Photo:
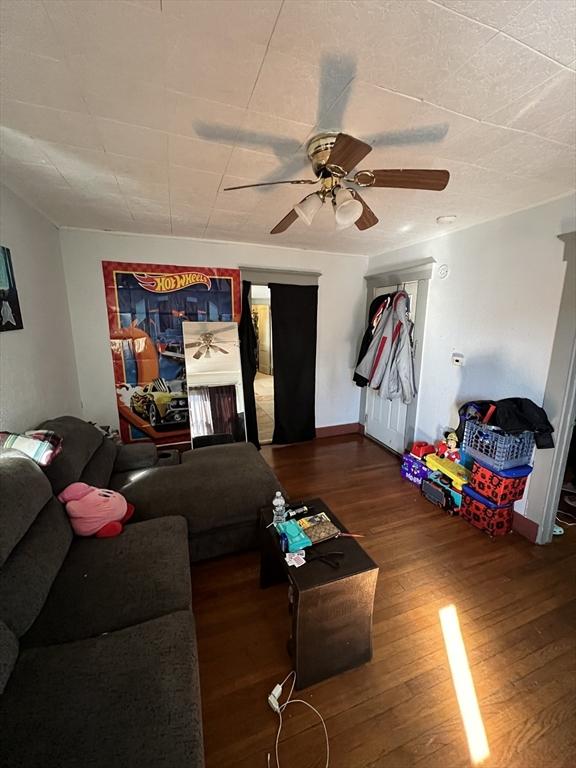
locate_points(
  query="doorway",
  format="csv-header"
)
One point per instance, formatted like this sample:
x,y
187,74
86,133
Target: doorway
x,y
566,514
547,479
264,381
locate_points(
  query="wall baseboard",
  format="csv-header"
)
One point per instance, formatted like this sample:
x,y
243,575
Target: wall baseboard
x,y
340,429
525,527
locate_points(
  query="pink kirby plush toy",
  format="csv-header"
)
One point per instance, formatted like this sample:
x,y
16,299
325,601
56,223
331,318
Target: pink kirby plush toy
x,y
95,511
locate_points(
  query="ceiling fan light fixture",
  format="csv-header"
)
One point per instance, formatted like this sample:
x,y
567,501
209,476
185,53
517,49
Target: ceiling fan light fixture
x,y
347,210
309,207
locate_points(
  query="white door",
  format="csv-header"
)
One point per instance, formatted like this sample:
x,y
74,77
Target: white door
x,y
386,419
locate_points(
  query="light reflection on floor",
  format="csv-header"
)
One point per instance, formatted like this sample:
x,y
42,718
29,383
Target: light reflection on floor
x,y
264,392
464,685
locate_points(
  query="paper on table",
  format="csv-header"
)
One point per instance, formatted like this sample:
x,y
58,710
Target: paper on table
x,y
296,558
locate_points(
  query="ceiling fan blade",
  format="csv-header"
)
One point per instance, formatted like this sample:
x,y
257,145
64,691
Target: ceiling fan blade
x,y
368,218
272,183
424,134
347,152
409,179
286,222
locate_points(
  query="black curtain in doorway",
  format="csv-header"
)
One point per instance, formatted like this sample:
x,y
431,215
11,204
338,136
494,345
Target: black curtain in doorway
x,y
247,336
294,316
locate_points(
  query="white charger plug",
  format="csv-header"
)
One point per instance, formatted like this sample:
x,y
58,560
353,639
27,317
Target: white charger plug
x,y
275,706
273,698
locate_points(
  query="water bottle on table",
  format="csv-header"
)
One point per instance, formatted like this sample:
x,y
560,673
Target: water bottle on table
x,y
279,505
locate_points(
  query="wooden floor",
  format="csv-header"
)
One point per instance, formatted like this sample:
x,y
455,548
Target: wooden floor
x,y
517,608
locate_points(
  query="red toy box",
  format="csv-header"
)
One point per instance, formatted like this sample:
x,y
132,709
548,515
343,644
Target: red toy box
x,y
501,487
484,514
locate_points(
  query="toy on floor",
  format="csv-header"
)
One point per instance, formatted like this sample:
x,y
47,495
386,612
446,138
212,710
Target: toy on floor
x,y
95,511
448,448
413,469
438,489
444,482
458,474
420,449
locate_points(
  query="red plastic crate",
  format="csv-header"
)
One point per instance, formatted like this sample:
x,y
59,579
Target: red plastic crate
x,y
483,514
502,487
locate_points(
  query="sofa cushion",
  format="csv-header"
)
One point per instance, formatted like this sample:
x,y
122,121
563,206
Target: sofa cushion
x,y
98,470
80,442
214,487
24,491
136,456
109,584
28,574
130,698
8,654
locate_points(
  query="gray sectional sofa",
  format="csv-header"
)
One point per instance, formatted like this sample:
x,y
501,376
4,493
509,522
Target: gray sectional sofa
x,y
98,664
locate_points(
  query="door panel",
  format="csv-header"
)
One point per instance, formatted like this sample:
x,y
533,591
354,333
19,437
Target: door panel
x,y
264,339
386,419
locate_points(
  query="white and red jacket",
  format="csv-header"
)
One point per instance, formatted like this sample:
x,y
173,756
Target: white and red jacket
x,y
388,364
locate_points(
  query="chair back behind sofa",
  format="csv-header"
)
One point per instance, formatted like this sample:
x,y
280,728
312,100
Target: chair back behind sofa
x,y
35,536
87,455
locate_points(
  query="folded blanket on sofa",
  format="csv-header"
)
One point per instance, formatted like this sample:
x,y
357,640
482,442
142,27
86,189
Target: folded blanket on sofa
x,y
40,445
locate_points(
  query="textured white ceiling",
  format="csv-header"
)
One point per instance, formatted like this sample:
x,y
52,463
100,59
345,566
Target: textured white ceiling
x,y
132,115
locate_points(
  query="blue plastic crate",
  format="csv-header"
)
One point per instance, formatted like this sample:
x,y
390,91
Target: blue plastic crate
x,y
497,449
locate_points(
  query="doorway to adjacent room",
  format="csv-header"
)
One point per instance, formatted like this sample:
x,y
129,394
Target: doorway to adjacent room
x,y
264,381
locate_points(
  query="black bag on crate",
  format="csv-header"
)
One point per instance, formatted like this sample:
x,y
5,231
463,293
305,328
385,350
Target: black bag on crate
x,y
513,415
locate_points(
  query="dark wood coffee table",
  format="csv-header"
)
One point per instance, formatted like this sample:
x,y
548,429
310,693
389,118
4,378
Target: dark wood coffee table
x,y
331,608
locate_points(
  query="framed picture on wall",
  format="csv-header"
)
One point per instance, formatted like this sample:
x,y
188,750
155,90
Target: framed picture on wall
x,y
10,315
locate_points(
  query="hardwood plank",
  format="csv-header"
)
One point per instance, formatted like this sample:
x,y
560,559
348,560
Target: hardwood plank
x,y
516,607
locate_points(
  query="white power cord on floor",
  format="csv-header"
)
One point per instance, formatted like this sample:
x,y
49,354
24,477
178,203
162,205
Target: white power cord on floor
x,y
564,514
274,704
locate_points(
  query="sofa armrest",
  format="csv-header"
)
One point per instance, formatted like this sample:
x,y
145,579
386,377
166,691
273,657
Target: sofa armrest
x,y
136,456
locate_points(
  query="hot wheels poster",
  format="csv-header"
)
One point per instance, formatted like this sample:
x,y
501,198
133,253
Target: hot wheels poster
x,y
146,306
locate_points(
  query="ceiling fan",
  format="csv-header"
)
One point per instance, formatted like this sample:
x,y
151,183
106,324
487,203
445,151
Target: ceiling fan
x,y
206,345
333,156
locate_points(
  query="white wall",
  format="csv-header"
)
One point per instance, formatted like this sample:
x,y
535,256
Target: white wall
x,y
341,307
498,307
38,376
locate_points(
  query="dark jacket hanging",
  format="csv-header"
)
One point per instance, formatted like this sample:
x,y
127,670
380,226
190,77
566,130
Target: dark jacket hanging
x,y
359,380
294,311
247,336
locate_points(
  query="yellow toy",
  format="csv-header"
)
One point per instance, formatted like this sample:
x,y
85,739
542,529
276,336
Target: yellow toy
x,y
458,474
